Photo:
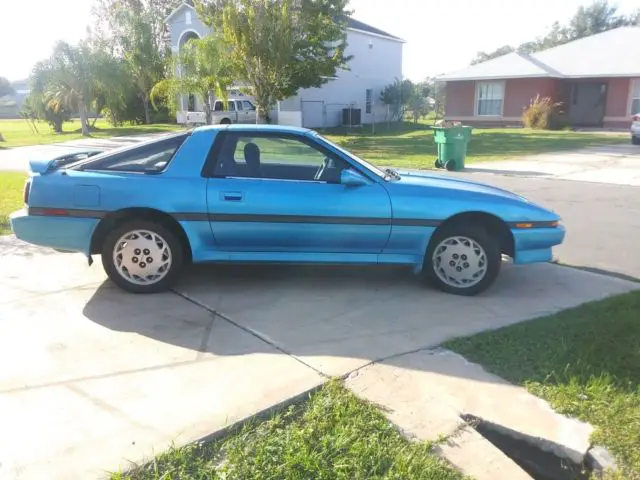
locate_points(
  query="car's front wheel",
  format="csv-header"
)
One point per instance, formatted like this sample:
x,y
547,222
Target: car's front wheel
x,y
142,256
463,260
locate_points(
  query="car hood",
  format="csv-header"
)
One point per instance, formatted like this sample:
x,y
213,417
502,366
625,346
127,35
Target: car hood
x,y
434,180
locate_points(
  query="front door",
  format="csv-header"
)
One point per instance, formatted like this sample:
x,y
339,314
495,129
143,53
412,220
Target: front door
x,y
587,104
282,193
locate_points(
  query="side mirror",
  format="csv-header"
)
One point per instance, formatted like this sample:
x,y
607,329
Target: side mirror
x,y
351,178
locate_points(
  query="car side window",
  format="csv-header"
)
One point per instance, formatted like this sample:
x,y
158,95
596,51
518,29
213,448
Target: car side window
x,y
248,105
232,106
276,157
238,105
151,157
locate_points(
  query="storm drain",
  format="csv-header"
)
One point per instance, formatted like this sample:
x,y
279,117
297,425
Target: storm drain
x,y
540,463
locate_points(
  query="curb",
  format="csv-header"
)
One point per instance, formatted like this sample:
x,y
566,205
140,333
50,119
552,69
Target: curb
x,y
263,415
596,271
600,461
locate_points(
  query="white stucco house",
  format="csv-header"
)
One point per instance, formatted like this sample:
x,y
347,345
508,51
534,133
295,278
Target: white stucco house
x,y
376,62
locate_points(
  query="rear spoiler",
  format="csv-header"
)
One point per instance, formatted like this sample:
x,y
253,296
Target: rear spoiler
x,y
43,167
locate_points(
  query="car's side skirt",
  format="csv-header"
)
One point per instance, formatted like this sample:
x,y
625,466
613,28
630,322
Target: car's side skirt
x,y
310,258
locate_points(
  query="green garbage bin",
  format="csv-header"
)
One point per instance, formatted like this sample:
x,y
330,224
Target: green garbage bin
x,y
452,146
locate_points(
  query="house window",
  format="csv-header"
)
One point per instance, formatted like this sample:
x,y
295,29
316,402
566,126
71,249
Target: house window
x,y
490,97
368,100
635,97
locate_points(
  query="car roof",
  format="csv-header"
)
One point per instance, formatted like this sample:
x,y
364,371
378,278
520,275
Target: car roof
x,y
256,128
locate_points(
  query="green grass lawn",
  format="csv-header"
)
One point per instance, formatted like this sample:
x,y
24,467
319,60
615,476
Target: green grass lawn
x,y
411,146
333,436
585,361
18,133
11,185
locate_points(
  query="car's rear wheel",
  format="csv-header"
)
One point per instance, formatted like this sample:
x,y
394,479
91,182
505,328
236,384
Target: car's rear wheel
x,y
463,260
142,256
225,121
635,140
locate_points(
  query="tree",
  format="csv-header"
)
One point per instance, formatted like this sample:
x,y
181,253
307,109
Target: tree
x,y
201,67
597,17
5,89
71,82
112,84
280,46
144,53
37,103
136,31
65,82
483,56
397,96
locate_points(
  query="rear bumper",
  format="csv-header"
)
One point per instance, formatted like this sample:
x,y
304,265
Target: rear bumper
x,y
535,245
62,233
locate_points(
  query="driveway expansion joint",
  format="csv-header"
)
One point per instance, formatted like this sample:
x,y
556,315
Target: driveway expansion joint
x,y
248,330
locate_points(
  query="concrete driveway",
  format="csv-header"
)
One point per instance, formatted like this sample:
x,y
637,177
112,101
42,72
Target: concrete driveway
x,y
596,193
92,377
612,164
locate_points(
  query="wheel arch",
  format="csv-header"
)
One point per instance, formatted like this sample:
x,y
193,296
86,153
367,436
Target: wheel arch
x,y
490,222
115,218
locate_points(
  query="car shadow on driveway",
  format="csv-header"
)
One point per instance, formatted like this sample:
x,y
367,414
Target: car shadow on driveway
x,y
336,319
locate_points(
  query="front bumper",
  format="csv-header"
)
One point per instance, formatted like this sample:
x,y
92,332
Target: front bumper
x,y
534,245
62,233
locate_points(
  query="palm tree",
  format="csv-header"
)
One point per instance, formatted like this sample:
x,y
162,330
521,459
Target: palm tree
x,y
201,68
71,82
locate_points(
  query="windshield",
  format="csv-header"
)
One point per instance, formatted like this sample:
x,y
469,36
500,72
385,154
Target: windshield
x,y
364,163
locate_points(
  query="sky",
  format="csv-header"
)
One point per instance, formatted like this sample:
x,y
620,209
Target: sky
x,y
441,36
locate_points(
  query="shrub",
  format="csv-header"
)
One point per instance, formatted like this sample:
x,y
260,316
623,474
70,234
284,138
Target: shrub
x,y
544,114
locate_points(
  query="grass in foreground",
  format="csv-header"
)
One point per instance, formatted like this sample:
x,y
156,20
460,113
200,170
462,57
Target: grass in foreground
x,y
334,436
411,146
11,185
585,361
18,133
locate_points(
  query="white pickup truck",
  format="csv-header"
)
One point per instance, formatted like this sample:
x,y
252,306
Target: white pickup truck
x,y
237,111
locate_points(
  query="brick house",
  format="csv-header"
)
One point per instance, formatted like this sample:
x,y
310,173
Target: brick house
x,y
597,79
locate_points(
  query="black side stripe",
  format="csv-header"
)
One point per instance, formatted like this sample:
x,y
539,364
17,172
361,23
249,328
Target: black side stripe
x,y
65,212
219,217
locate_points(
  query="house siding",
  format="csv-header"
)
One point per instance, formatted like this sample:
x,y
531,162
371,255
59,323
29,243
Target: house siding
x,y
461,97
322,107
617,107
520,91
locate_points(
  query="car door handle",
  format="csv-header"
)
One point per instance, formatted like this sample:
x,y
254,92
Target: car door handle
x,y
232,196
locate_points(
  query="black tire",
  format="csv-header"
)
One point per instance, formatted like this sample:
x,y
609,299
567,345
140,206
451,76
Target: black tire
x,y
225,121
477,233
635,140
438,164
450,165
174,245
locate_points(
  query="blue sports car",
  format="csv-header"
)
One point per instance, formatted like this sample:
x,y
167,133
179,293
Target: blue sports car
x,y
257,193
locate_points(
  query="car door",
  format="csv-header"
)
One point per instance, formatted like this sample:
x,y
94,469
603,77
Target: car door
x,y
277,192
